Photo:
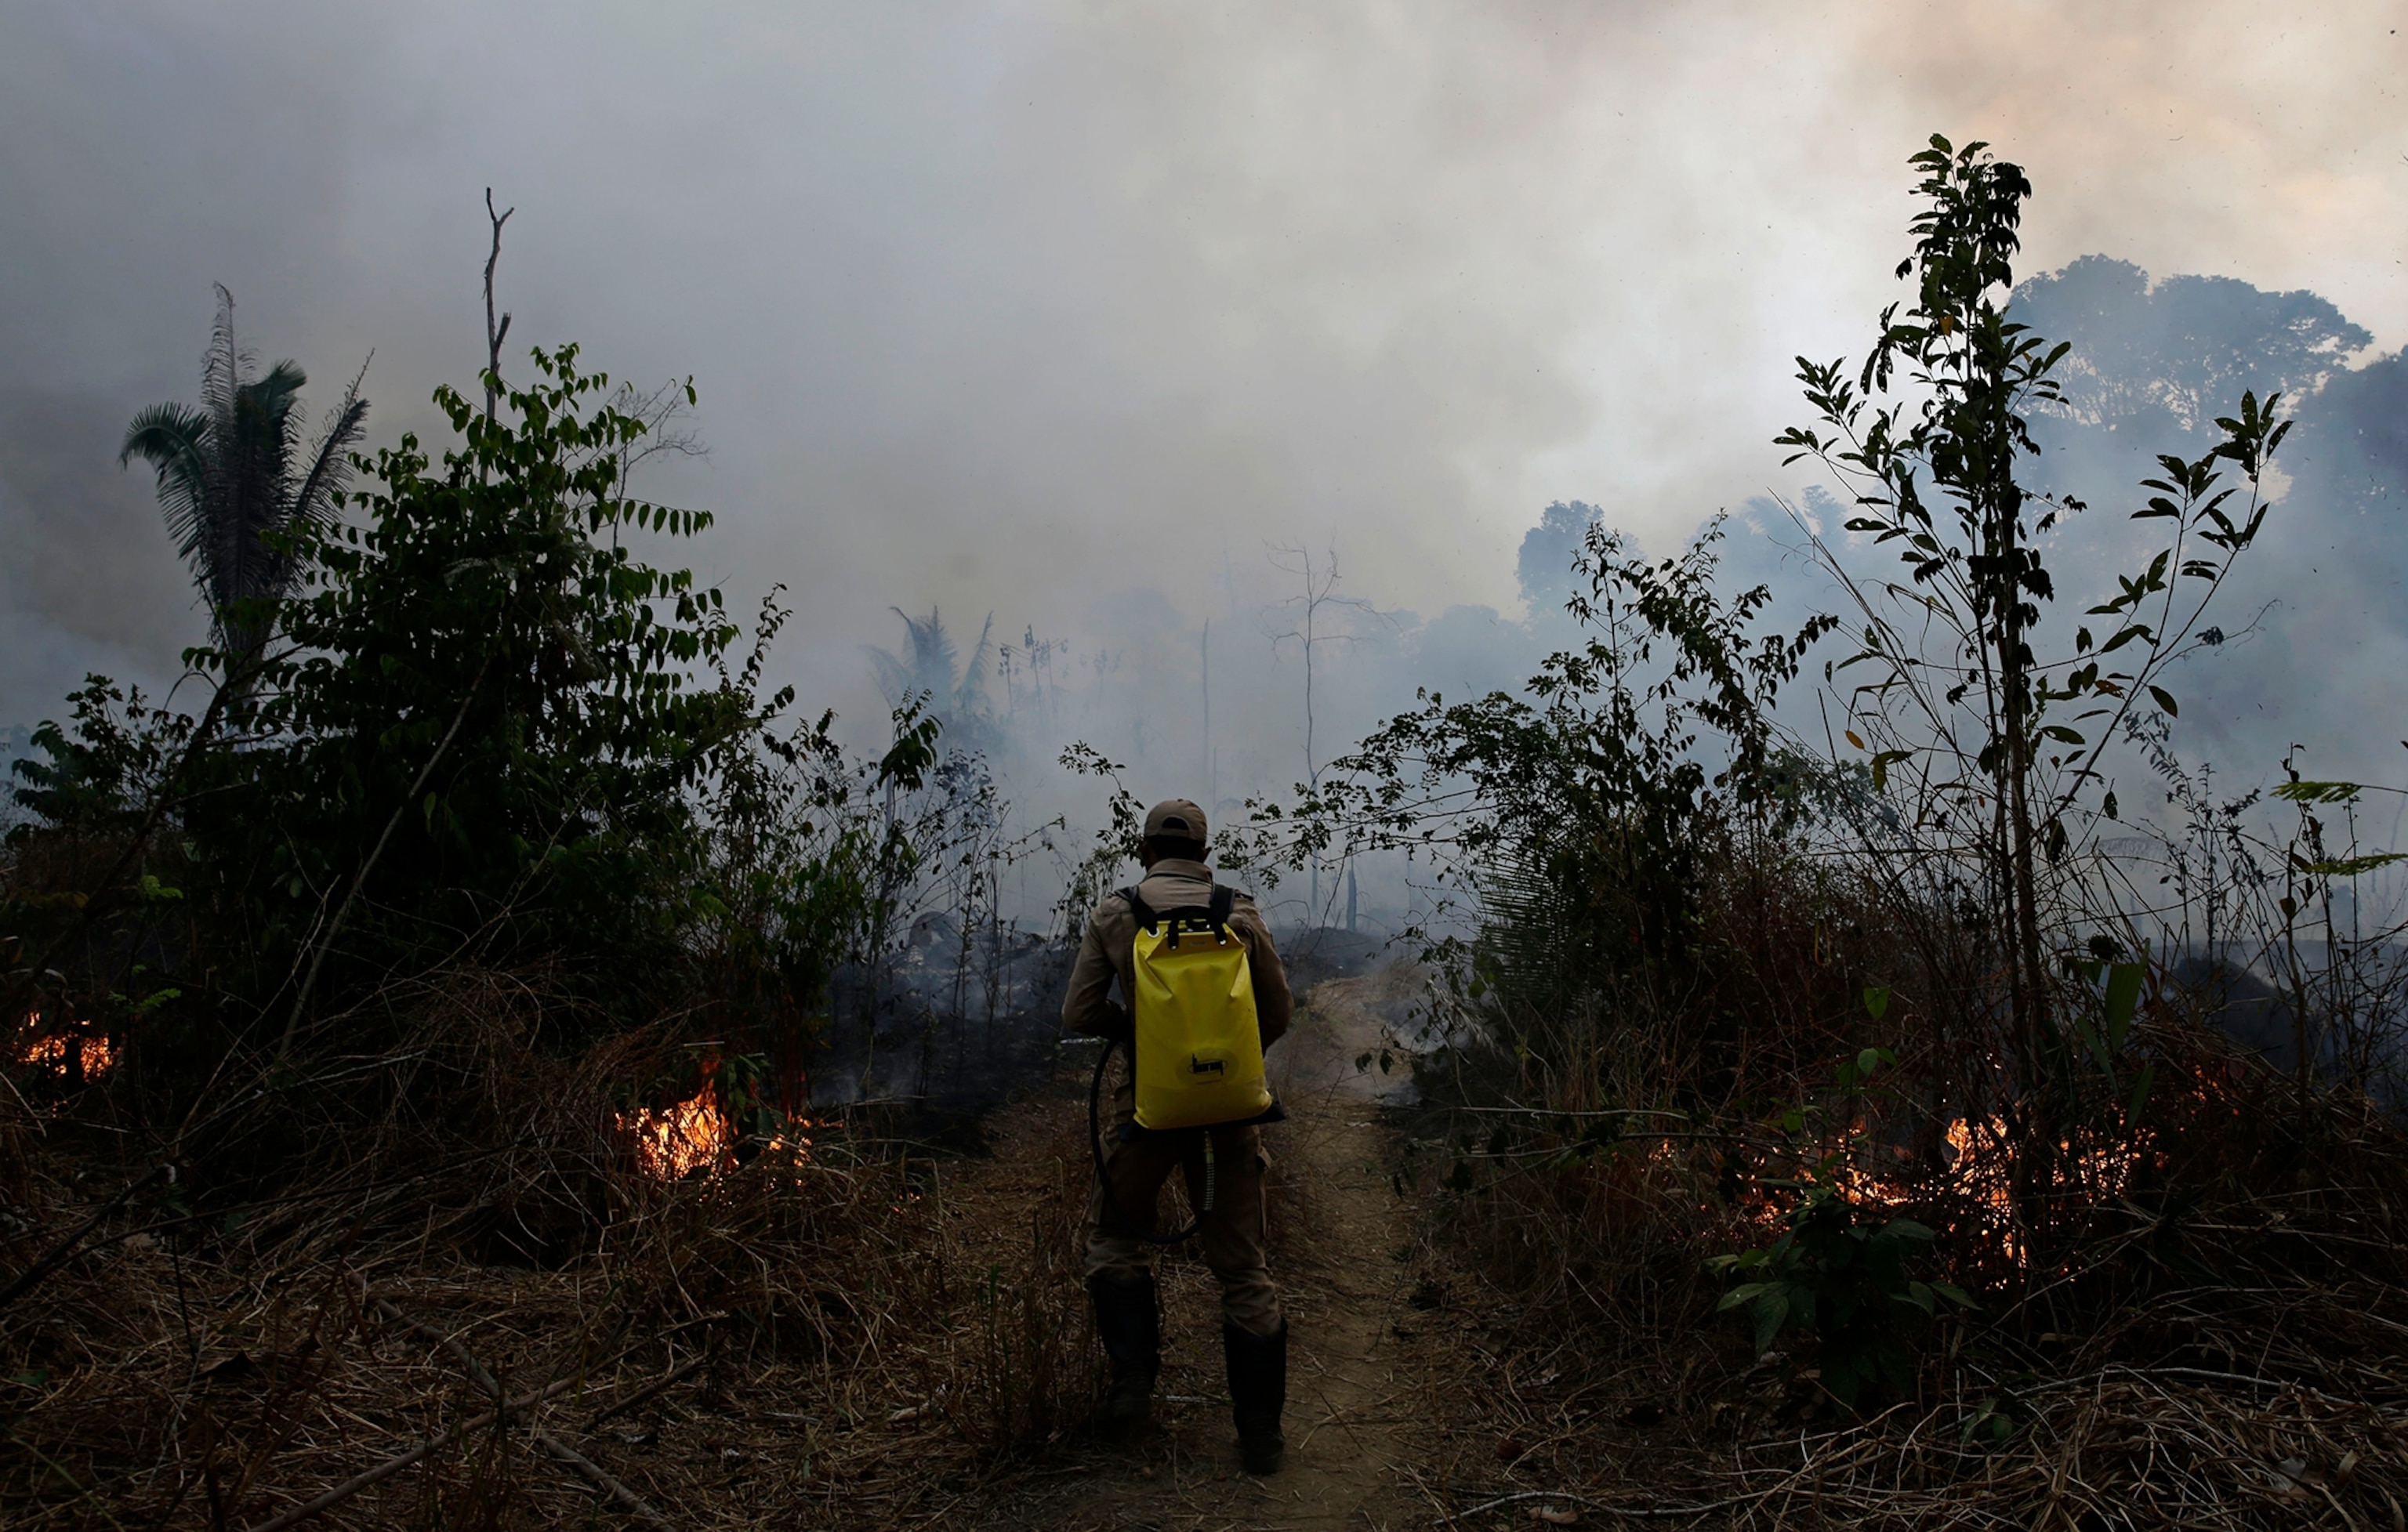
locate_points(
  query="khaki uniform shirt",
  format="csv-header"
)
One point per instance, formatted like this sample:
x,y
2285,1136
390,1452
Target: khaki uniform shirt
x,y
1104,956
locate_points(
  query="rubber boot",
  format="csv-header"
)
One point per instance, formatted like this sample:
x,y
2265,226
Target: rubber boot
x,y
1258,1393
1130,1327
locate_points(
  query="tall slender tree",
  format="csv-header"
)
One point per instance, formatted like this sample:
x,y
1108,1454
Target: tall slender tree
x,y
237,474
1314,611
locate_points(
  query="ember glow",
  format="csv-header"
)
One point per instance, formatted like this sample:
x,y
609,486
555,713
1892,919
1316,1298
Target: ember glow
x,y
1978,1178
97,1056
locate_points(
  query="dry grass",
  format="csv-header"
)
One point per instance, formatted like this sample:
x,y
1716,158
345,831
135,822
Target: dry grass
x,y
2126,1449
2215,1336
2258,1398
861,1332
161,1388
875,1335
841,1346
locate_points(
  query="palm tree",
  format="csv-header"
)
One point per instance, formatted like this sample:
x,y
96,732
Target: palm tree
x,y
927,669
234,475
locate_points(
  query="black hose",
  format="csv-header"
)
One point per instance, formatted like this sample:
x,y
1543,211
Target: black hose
x,y
1096,1146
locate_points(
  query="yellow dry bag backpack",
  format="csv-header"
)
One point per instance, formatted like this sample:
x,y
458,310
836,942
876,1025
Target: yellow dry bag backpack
x,y
1198,1044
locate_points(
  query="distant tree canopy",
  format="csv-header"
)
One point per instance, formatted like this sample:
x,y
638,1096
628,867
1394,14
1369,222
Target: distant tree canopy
x,y
2171,355
2354,440
1549,551
2151,364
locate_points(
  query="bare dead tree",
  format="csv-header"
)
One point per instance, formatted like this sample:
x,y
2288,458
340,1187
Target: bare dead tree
x,y
1316,613
1210,763
494,332
1315,624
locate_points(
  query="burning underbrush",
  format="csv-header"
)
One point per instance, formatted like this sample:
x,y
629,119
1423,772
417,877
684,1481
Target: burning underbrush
x,y
551,1276
694,1136
2196,1316
61,1056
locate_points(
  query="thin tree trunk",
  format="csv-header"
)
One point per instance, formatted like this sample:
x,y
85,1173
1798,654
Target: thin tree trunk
x,y
2034,1021
494,332
2034,1160
318,958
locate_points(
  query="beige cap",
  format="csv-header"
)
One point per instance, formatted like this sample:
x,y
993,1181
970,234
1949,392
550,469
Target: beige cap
x,y
1176,818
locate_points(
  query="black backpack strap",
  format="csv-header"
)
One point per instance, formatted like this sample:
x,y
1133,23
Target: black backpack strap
x,y
1146,918
1224,899
1224,902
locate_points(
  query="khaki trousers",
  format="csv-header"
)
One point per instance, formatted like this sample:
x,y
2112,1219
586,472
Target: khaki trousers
x,y
1235,1235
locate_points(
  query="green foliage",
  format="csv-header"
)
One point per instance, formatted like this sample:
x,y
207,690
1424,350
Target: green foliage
x,y
2305,792
1837,1274
483,710
1990,751
931,675
1841,1271
490,732
98,771
1579,815
2098,1033
1099,870
1975,375
800,863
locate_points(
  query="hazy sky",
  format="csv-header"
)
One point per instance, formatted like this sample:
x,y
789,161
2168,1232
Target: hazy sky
x,y
1030,307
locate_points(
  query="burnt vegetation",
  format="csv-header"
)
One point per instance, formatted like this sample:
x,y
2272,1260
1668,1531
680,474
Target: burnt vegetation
x,y
1833,1101
1851,1126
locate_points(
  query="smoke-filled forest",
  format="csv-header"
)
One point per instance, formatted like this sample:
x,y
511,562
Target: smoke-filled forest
x,y
1839,866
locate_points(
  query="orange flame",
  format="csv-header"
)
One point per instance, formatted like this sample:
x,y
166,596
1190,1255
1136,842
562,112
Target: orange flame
x,y
697,1134
680,1139
1979,1165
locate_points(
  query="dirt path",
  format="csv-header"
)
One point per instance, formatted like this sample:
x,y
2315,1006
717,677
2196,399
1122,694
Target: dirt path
x,y
1358,1372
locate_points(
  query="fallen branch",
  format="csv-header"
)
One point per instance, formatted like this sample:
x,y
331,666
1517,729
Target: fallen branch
x,y
401,1460
586,1467
427,1332
1696,1509
2196,1374
600,1478
1503,1500
648,1391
